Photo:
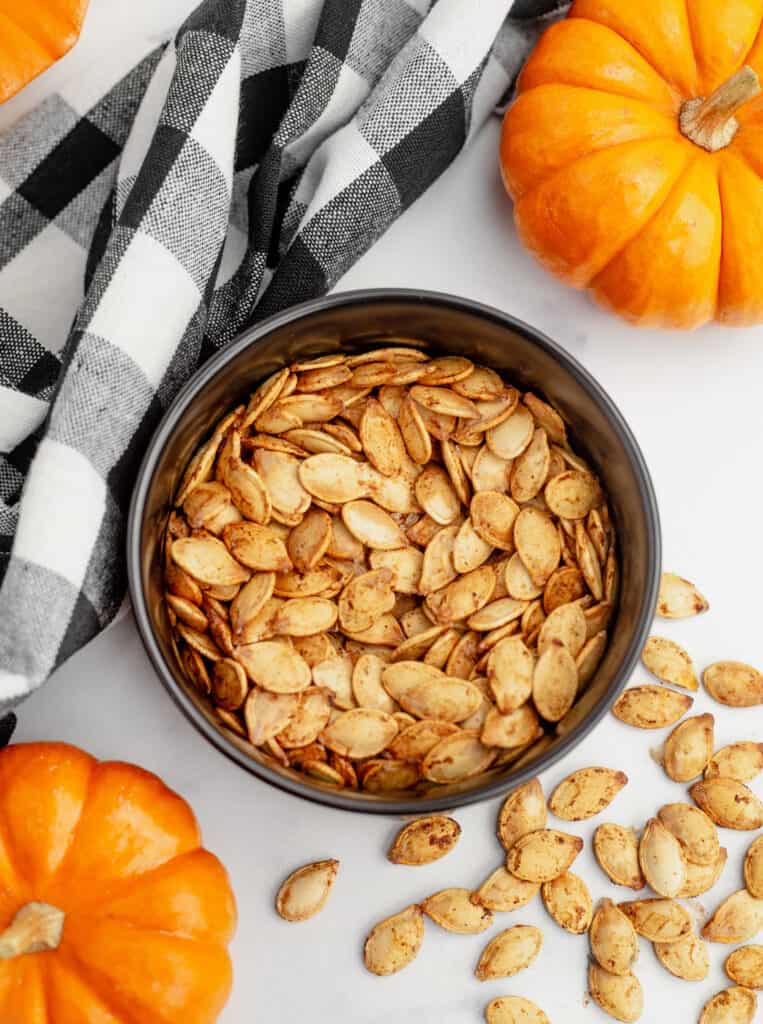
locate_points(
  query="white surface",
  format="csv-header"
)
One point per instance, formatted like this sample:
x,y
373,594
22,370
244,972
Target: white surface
x,y
694,403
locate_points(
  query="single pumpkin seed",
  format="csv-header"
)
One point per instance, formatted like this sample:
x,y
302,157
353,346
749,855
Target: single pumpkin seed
x,y
661,858
304,616
572,494
503,892
447,370
229,684
196,669
454,911
510,669
753,869
309,541
745,966
566,624
586,793
510,952
187,612
613,939
280,474
515,729
687,959
568,901
437,568
435,494
530,469
323,579
732,683
456,757
360,733
274,666
208,561
514,1010
659,920
335,675
588,560
438,654
564,585
443,699
590,657
689,748
367,684
728,803
621,996
537,543
511,436
741,761
387,776
700,878
415,741
732,1006
257,547
372,525
678,598
543,855
463,597
651,707
493,516
555,682
406,565
267,714
393,943
489,472
308,721
669,662
200,642
616,850
425,840
738,919
519,583
305,892
365,599
694,831
469,548
523,811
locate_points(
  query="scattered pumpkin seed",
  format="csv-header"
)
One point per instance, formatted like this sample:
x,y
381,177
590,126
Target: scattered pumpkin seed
x,y
738,919
306,890
393,943
568,901
678,598
543,855
669,662
732,683
741,761
745,966
661,858
613,939
616,850
425,840
651,707
732,1006
454,911
510,952
659,920
514,1010
694,831
621,996
688,748
687,959
586,793
728,803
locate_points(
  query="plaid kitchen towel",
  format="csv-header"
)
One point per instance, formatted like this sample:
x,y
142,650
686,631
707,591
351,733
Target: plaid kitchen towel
x,y
240,168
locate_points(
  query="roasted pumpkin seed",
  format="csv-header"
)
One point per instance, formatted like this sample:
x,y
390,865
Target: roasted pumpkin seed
x,y
728,803
568,901
616,850
621,996
651,707
661,858
732,1006
659,920
454,911
306,890
586,793
741,761
694,831
753,869
689,748
510,952
543,855
731,682
678,598
739,918
669,662
613,939
424,840
745,966
393,943
514,1010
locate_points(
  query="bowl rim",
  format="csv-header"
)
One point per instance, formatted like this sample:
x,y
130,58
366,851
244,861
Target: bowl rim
x,y
338,799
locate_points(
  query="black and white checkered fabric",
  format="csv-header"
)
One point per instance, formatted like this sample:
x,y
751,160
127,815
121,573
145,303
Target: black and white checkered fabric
x,y
239,169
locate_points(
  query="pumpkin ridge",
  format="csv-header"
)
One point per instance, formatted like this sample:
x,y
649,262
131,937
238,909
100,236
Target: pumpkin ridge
x,y
673,88
68,965
677,184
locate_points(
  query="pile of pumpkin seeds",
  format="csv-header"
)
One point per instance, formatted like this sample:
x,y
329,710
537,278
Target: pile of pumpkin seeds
x,y
678,855
390,570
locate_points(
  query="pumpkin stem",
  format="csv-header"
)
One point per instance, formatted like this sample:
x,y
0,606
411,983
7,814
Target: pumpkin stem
x,y
709,121
35,928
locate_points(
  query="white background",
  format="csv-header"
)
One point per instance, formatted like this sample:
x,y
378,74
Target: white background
x,y
694,403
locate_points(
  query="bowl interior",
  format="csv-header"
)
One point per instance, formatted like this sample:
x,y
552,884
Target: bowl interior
x,y
351,322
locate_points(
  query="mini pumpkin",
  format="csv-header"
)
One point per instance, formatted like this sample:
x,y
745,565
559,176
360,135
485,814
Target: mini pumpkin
x,y
34,34
634,154
110,910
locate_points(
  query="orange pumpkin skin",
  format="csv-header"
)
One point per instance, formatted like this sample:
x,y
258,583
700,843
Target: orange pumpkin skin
x,y
33,35
148,912
610,194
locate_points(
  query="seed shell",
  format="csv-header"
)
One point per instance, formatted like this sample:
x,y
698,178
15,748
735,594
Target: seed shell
x,y
753,868
728,803
678,598
616,850
537,542
568,901
700,878
360,733
694,831
687,959
739,918
504,892
745,966
669,662
661,859
659,920
555,682
620,996
510,952
523,811
454,911
457,757
514,1010
306,890
741,761
274,667
394,942
586,793
651,707
733,683
425,840
732,1006
543,855
689,748
613,939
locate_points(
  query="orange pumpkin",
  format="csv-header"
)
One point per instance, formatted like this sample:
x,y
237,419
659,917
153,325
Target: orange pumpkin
x,y
112,912
33,35
634,153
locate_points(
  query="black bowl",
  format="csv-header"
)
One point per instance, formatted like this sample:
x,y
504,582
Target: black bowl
x,y
350,321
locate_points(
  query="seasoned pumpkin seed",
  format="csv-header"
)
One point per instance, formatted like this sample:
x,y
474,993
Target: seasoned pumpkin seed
x,y
730,682
728,803
753,868
745,966
732,1006
454,911
504,892
305,892
738,919
678,598
456,757
510,952
514,1010
651,707
543,855
621,996
687,959
694,831
689,748
616,850
586,793
669,662
661,858
425,840
393,943
568,901
659,920
613,939
741,761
